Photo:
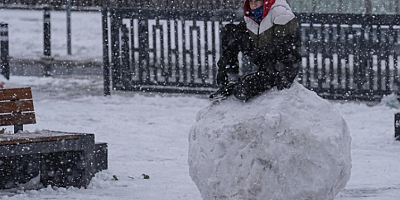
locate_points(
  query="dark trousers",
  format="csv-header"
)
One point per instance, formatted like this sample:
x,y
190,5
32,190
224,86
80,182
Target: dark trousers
x,y
235,39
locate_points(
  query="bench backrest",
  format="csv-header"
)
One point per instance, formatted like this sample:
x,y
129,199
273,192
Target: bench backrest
x,y
16,108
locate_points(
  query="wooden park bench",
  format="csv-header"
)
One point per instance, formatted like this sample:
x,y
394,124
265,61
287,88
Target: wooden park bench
x,y
55,158
16,108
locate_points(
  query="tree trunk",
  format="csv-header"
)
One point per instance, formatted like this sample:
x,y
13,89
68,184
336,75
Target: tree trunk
x,y
368,7
314,5
340,6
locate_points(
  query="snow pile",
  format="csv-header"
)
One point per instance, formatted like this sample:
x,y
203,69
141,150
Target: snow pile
x,y
391,101
281,145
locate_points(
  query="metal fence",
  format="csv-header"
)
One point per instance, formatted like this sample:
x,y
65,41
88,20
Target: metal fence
x,y
154,4
350,56
304,6
4,61
344,56
163,50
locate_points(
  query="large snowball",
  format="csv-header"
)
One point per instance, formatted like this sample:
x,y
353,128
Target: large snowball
x,y
281,145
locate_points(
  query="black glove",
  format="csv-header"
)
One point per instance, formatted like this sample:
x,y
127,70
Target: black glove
x,y
222,78
283,83
288,75
227,66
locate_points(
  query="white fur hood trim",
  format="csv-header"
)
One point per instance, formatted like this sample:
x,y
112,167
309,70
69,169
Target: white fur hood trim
x,y
280,13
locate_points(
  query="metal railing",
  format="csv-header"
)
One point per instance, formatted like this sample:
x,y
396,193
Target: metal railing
x,y
304,6
177,4
344,56
350,56
4,51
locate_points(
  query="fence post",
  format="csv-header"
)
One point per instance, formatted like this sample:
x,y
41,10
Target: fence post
x,y
46,31
47,59
340,6
368,7
69,50
314,5
4,63
397,126
125,68
106,59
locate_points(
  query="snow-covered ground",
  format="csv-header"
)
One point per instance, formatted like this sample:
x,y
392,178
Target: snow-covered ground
x,y
26,34
148,133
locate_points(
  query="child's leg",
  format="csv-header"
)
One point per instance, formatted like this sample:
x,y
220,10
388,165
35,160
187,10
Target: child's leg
x,y
252,85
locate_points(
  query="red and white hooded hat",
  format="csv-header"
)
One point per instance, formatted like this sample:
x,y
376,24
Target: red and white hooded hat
x,y
267,6
274,12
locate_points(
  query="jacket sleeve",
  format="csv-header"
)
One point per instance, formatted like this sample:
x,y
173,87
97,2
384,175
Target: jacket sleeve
x,y
285,51
231,39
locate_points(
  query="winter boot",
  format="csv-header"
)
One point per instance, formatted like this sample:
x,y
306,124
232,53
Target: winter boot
x,y
252,85
223,92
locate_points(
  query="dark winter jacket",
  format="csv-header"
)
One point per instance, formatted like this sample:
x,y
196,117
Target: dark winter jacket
x,y
273,44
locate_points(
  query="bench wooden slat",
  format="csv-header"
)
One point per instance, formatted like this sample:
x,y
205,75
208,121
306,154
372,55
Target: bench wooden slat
x,y
15,94
39,139
16,106
17,119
